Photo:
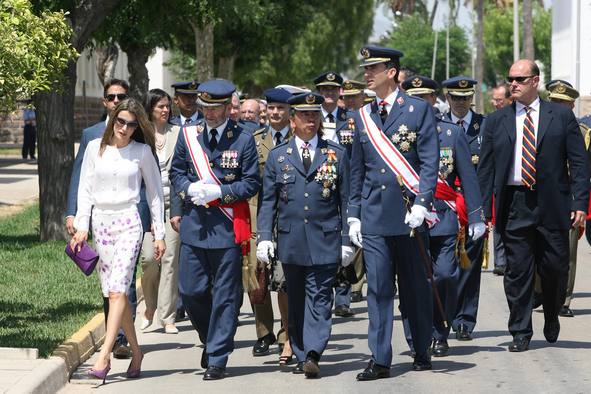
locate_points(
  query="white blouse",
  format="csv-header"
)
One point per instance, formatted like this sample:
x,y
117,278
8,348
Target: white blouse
x,y
112,181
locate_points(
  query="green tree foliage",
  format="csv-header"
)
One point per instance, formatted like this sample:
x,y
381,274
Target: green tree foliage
x,y
498,41
415,37
34,50
283,41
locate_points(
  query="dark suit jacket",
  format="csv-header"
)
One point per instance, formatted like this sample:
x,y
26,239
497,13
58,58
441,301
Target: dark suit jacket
x,y
562,169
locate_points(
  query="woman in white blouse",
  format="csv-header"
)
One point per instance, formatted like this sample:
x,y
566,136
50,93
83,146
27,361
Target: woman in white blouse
x,y
160,277
112,172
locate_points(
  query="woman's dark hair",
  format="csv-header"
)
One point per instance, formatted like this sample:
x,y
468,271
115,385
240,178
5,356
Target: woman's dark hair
x,y
143,133
153,97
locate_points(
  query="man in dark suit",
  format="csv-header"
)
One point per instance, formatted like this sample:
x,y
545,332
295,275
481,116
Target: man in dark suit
x,y
215,171
459,94
533,161
392,135
115,91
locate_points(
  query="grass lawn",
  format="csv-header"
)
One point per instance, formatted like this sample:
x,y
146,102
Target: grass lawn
x,y
44,297
10,151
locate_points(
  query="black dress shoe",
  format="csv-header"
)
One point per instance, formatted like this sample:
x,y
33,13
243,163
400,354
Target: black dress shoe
x,y
356,296
440,348
261,347
343,311
462,333
299,369
311,368
204,359
551,330
500,271
374,371
519,344
214,373
422,362
180,315
565,311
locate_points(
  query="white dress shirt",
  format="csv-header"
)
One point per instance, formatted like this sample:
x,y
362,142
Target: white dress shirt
x,y
192,119
467,120
329,131
312,144
389,100
220,129
111,182
283,132
515,172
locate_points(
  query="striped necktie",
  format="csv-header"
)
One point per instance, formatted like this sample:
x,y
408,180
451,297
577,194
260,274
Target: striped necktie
x,y
383,111
528,152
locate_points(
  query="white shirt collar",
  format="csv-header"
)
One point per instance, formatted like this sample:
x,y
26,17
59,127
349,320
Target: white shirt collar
x,y
313,142
193,118
389,100
467,119
283,132
334,113
220,129
535,105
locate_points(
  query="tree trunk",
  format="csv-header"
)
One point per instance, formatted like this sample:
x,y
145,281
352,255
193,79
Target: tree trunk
x,y
138,72
106,61
226,67
528,31
55,124
204,50
479,63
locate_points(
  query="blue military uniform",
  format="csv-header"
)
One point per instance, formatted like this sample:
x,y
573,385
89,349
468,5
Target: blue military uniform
x,y
454,164
189,88
210,260
376,199
469,286
308,208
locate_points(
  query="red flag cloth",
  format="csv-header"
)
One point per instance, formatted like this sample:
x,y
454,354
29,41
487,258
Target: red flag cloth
x,y
241,223
589,210
445,192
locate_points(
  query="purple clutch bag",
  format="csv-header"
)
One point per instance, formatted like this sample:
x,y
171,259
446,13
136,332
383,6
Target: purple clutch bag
x,y
85,259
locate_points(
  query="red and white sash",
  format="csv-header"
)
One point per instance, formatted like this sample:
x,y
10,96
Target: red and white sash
x,y
392,156
201,162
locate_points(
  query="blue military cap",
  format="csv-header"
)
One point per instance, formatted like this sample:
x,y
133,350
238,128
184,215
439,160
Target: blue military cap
x,y
419,85
293,90
306,102
329,78
560,89
352,87
459,86
276,95
215,92
374,55
186,87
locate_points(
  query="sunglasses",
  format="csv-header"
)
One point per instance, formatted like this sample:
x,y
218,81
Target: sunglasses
x,y
122,123
520,79
119,96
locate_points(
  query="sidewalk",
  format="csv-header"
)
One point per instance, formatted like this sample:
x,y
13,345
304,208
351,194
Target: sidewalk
x,y
19,182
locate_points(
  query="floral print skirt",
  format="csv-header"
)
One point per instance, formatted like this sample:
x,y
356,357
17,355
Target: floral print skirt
x,y
118,240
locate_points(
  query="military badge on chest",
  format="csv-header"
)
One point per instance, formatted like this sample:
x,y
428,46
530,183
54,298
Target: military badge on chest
x,y
229,159
327,174
346,135
446,162
404,139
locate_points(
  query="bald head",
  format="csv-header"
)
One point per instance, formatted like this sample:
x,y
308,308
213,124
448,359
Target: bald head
x,y
523,79
250,110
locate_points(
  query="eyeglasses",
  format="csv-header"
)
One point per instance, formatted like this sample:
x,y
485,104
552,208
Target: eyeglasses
x,y
122,123
120,96
520,79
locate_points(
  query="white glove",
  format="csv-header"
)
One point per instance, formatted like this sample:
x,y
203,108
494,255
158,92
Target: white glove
x,y
193,189
355,231
204,192
264,250
416,216
476,230
347,253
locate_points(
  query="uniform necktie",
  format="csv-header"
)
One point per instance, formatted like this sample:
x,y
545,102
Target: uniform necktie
x,y
277,138
383,111
306,158
528,151
330,118
213,141
461,124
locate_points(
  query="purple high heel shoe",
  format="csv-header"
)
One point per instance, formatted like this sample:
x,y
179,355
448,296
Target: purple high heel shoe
x,y
135,373
100,373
